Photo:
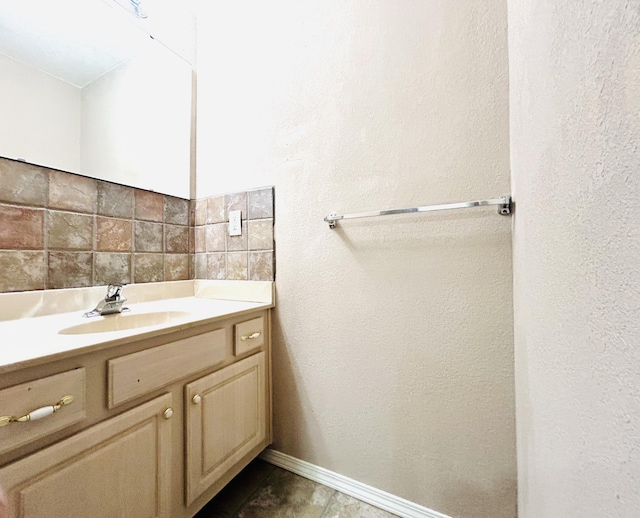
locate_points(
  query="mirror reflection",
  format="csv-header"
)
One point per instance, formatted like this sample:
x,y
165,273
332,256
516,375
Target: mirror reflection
x,y
85,90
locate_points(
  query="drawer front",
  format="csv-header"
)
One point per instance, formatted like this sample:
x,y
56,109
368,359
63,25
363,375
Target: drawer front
x,y
136,374
41,395
249,335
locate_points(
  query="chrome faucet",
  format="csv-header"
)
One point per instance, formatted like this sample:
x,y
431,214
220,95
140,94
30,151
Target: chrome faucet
x,y
111,304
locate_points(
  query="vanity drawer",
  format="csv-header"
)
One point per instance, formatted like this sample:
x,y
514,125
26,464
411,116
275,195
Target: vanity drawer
x,y
22,400
136,374
249,335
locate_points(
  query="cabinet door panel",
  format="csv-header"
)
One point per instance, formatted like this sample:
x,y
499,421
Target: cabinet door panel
x,y
226,419
119,468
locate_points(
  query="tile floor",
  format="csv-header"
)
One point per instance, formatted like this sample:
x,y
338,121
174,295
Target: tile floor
x,y
262,490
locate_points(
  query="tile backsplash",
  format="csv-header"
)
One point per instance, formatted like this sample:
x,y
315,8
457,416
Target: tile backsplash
x,y
61,230
249,256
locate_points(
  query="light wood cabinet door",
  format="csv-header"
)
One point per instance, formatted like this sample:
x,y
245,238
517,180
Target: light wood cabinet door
x,y
119,468
225,419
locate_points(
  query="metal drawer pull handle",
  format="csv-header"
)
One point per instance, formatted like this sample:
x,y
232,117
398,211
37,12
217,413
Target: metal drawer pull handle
x,y
253,335
38,413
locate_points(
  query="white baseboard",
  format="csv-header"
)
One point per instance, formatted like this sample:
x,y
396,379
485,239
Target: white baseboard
x,y
371,495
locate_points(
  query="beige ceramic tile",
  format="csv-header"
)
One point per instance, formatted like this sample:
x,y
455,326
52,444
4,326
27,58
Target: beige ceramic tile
x,y
149,206
200,235
343,506
69,231
72,192
176,239
176,210
216,266
148,236
237,266
70,270
112,268
201,211
192,266
215,209
148,267
21,228
24,184
192,212
285,495
113,235
115,200
237,243
261,203
261,266
261,234
22,270
176,267
192,240
215,240
200,266
235,201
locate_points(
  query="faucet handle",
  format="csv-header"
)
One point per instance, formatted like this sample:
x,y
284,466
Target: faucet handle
x,y
113,291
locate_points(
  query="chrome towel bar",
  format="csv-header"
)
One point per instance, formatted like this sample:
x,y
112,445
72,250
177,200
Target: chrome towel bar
x,y
504,208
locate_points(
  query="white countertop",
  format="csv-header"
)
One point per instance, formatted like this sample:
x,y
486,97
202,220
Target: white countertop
x,y
36,339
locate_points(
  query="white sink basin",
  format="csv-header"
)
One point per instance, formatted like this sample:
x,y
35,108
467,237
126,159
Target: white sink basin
x,y
122,322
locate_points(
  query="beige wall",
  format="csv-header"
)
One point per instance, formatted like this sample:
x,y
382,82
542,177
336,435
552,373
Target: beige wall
x,y
575,129
136,123
393,344
40,117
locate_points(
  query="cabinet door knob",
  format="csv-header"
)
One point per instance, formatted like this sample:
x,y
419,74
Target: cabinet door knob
x,y
196,399
168,413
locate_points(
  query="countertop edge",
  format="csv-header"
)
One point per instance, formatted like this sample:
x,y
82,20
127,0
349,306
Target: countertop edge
x,y
133,336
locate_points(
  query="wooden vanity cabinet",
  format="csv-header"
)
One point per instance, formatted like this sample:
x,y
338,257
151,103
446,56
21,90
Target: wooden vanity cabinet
x,y
162,451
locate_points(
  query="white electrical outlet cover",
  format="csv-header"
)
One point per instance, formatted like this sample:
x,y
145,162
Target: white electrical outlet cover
x,y
235,222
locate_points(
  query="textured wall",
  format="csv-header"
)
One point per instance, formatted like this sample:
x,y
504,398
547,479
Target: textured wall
x,y
393,346
575,132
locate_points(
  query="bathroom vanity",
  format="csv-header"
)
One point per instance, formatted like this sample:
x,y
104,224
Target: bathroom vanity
x,y
147,413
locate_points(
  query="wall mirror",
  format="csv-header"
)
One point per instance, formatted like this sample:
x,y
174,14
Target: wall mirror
x,y
86,88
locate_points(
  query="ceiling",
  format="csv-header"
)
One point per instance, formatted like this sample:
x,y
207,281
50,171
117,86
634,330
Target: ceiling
x,y
74,40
